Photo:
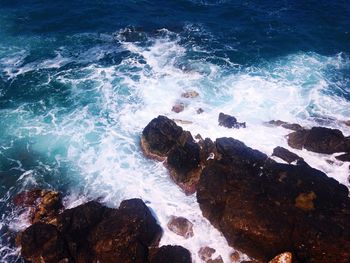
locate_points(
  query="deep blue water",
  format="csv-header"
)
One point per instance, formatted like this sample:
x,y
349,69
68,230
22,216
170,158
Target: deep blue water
x,y
74,72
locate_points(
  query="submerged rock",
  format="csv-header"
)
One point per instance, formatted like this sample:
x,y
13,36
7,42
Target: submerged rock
x,y
44,205
320,140
263,207
285,154
205,253
181,226
178,107
190,94
286,125
94,233
230,121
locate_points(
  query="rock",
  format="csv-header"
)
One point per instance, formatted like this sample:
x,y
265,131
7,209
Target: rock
x,y
171,254
230,121
200,110
235,257
178,107
320,140
42,242
181,226
44,205
286,125
159,136
182,121
282,258
94,233
343,157
190,94
285,155
162,139
263,207
205,253
216,260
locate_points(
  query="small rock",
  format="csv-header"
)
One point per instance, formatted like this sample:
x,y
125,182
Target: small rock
x,y
285,155
178,107
282,258
205,253
190,94
228,121
216,260
181,226
200,110
343,157
235,257
286,125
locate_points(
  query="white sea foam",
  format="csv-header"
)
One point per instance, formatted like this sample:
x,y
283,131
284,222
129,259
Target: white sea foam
x,y
114,103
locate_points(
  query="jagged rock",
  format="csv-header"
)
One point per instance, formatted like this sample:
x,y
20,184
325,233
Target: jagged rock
x,y
44,205
171,254
159,136
94,233
190,94
282,258
320,140
263,207
343,157
285,155
286,125
181,226
164,140
178,107
205,253
235,257
230,121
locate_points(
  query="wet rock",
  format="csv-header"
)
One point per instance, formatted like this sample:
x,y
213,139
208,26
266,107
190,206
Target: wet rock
x,y
171,254
181,226
190,94
159,136
282,258
205,253
94,233
285,154
42,242
286,125
263,207
178,107
200,110
216,260
235,257
320,140
44,205
343,157
164,140
230,121
182,121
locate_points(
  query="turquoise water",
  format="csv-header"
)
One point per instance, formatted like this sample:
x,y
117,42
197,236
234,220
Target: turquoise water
x,y
79,80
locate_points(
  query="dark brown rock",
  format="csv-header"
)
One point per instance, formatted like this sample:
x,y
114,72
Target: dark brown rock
x,y
320,140
171,254
181,226
263,207
343,157
44,205
285,154
228,121
200,110
205,253
286,125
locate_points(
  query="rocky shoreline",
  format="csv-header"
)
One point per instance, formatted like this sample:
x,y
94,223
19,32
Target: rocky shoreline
x,y
262,207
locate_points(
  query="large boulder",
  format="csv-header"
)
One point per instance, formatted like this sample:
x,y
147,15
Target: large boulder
x,y
264,208
93,233
162,139
320,140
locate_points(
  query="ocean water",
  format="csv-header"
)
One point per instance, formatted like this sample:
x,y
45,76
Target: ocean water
x,y
79,80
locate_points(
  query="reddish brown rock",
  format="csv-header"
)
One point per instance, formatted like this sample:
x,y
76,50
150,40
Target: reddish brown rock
x,y
205,253
181,226
263,207
178,107
44,205
282,258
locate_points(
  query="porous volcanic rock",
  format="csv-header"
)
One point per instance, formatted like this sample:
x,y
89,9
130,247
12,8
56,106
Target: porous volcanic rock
x,y
171,254
320,140
264,208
